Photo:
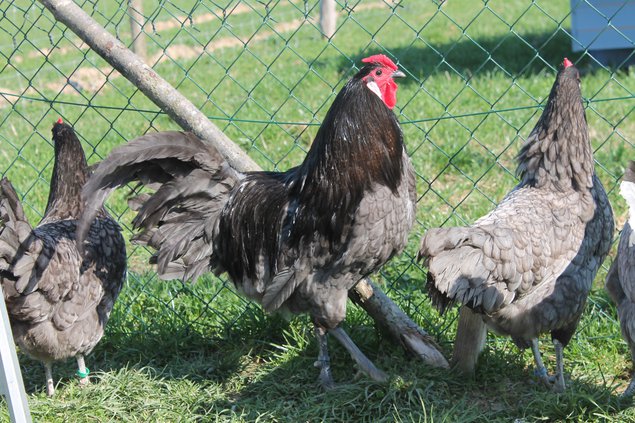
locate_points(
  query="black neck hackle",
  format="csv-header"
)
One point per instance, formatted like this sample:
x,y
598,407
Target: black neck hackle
x,y
358,144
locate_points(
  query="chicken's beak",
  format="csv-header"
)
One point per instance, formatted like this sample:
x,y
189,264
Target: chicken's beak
x,y
398,74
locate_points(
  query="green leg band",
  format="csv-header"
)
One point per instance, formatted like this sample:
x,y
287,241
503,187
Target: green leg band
x,y
83,374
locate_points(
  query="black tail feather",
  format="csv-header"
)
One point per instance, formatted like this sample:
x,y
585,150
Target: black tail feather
x,y
191,182
14,227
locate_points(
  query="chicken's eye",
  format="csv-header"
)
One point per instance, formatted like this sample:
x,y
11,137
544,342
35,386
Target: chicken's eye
x,y
378,72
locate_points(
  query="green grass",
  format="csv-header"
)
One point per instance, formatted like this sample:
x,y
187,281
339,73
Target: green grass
x,y
477,76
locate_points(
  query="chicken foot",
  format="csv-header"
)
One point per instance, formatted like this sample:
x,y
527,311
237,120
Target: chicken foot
x,y
554,382
559,385
324,363
631,388
363,362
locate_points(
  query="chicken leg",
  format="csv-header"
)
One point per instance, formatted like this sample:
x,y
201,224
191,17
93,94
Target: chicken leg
x,y
541,370
630,389
323,362
558,383
48,371
82,370
555,382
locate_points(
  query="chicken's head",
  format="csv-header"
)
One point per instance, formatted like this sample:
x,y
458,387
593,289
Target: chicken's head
x,y
569,72
380,79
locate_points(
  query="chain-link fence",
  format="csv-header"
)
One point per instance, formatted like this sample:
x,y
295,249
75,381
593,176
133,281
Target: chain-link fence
x,y
263,71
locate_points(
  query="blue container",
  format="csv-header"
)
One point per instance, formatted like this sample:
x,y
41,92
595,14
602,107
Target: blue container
x,y
605,28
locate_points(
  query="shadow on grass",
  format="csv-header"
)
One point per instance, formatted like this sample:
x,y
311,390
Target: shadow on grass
x,y
265,371
173,349
519,55
502,391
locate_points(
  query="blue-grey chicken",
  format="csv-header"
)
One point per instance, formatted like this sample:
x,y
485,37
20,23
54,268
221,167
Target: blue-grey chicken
x,y
58,299
527,267
620,280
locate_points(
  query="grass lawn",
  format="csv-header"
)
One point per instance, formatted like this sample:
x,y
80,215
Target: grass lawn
x,y
478,74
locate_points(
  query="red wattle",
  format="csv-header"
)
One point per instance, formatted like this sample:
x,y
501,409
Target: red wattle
x,y
390,94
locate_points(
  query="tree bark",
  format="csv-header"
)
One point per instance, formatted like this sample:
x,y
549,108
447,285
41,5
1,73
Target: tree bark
x,y
389,317
384,311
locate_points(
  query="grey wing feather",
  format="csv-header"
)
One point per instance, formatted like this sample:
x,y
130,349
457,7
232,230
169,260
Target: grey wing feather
x,y
47,274
14,228
279,289
191,181
504,254
40,266
151,157
382,223
10,207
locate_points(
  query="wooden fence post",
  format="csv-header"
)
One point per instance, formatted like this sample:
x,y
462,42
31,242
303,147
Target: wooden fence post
x,y
137,21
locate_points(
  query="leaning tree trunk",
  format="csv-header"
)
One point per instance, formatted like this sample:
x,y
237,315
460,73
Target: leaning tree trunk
x,y
385,312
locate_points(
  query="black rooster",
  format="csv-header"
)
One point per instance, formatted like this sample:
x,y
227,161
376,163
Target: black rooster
x,y
296,240
59,300
620,280
527,267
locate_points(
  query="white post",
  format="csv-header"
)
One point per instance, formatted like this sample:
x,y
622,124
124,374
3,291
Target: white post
x,y
11,385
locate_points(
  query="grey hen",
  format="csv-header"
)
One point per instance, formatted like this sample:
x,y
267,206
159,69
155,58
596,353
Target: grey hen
x,y
59,300
527,267
296,240
620,280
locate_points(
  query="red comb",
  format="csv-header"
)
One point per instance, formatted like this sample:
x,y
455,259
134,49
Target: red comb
x,y
60,121
381,59
567,63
